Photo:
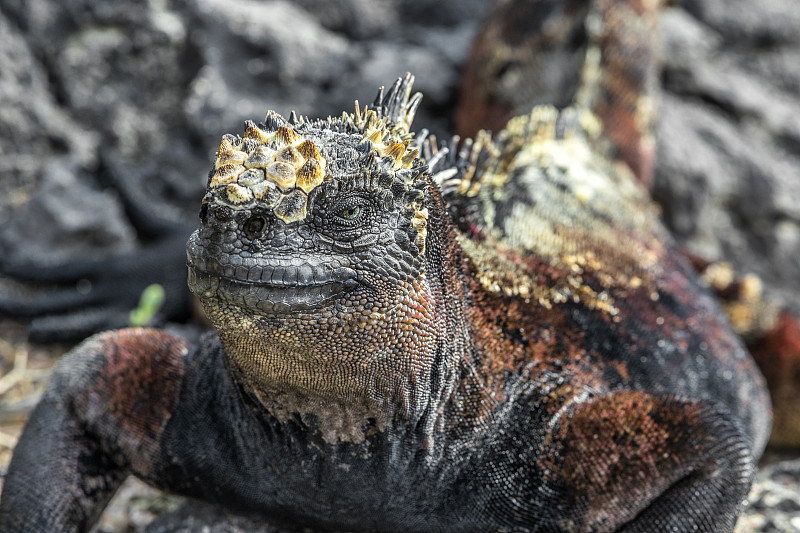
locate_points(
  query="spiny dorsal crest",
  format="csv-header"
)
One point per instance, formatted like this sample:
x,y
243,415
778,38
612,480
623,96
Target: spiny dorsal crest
x,y
387,123
461,169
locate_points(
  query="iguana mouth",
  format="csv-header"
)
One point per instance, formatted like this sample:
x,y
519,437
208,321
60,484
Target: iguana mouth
x,y
288,291
281,287
282,298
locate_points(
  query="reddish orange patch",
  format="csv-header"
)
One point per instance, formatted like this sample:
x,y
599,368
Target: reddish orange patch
x,y
777,353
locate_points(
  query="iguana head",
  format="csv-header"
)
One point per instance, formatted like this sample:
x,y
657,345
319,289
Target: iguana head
x,y
310,259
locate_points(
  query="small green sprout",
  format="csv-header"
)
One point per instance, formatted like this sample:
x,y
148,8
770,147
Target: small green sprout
x,y
151,301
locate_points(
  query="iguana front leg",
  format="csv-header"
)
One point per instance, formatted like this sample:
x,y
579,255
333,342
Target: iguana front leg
x,y
100,419
642,463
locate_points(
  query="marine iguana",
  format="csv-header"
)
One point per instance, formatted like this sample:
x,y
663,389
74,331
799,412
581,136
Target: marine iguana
x,y
418,337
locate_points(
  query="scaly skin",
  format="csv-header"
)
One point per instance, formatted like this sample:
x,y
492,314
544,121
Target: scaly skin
x,y
410,338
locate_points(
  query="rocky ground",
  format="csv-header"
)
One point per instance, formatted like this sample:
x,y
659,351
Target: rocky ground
x,y
729,136
90,90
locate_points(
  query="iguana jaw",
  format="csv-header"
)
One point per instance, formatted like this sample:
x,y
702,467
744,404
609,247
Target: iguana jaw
x,y
312,328
275,286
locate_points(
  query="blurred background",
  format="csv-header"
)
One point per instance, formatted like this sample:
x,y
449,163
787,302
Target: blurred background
x,y
111,112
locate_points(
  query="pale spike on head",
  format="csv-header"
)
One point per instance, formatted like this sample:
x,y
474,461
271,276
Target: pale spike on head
x,y
411,109
378,98
409,156
273,121
394,98
397,106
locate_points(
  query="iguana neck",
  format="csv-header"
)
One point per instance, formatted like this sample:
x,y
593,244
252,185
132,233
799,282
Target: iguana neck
x,y
348,362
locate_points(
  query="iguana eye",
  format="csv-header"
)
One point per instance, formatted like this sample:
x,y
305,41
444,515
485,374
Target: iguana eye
x,y
350,213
